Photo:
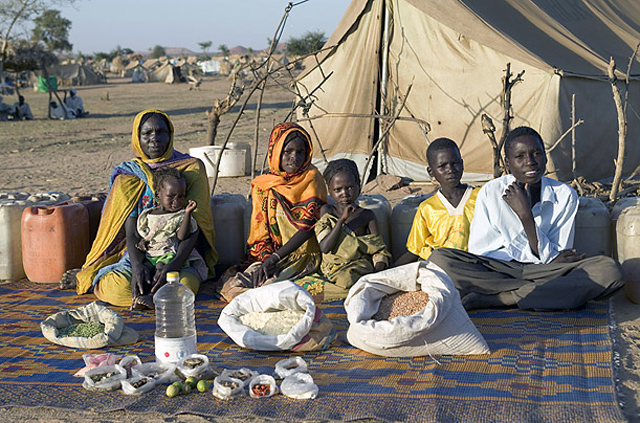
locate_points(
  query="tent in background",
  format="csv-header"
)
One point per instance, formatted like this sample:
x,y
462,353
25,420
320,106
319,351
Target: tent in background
x,y
75,74
166,73
455,52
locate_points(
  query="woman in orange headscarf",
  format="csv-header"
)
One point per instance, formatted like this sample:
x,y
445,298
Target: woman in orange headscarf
x,y
113,268
286,205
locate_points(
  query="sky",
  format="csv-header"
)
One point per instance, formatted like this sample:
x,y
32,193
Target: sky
x,y
101,25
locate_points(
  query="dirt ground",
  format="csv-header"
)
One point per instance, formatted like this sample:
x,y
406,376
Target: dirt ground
x,y
76,157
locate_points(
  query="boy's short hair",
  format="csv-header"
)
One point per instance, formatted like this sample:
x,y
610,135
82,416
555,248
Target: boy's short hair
x,y
440,144
521,131
341,165
166,174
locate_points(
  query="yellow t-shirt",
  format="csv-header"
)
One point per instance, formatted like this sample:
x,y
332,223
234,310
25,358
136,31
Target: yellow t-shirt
x,y
438,224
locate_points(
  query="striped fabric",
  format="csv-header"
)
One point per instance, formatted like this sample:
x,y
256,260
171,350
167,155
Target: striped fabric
x,y
543,367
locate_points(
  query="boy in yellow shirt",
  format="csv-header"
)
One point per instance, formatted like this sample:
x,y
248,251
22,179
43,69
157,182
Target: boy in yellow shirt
x,y
443,219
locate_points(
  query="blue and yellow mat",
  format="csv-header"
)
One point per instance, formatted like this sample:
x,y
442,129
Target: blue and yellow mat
x,y
544,367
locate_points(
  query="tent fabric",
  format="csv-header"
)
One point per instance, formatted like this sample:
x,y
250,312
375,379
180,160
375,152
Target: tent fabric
x,y
454,54
75,75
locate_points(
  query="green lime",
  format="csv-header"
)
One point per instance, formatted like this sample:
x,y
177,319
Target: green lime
x,y
177,384
186,389
203,385
192,381
172,391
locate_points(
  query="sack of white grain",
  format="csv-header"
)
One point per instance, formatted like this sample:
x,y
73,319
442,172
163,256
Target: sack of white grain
x,y
441,327
277,317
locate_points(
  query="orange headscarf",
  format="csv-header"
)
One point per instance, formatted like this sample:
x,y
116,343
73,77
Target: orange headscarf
x,y
300,194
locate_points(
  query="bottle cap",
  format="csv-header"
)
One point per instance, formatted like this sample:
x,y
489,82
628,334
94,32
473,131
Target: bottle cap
x,y
173,276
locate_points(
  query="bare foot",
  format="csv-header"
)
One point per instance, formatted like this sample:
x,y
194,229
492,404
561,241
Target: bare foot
x,y
143,302
69,279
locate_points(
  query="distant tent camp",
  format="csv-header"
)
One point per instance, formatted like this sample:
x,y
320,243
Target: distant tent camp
x,y
117,65
75,75
138,74
209,67
167,73
454,54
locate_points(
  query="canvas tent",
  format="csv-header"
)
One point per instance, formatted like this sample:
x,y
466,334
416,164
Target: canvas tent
x,y
75,74
166,73
454,52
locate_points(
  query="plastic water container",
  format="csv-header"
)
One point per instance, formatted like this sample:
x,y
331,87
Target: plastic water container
x,y
12,205
175,336
620,205
247,154
232,163
592,228
401,221
54,240
93,203
628,238
382,209
228,222
11,268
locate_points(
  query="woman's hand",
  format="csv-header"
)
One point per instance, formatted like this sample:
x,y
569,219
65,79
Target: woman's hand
x,y
160,277
140,276
265,271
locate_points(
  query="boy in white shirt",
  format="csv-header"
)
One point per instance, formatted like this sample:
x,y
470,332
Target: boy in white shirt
x,y
521,238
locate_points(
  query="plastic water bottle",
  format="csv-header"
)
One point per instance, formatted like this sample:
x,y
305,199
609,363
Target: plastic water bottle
x,y
175,321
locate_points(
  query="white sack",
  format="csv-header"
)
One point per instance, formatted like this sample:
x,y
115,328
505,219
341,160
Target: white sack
x,y
278,296
442,327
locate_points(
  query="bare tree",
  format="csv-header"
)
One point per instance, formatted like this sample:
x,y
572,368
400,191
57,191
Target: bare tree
x,y
621,108
12,14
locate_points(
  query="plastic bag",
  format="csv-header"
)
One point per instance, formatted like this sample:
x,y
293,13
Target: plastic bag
x,y
138,385
160,372
299,386
128,363
196,365
92,361
226,388
290,366
244,374
104,378
263,386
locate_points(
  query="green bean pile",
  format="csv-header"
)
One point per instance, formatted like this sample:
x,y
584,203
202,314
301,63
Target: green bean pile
x,y
84,330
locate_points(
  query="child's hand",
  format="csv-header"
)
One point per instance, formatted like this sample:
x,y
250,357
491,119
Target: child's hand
x,y
142,245
346,212
191,206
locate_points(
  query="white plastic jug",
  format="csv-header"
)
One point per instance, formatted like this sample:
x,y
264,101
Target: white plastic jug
x,y
175,336
382,209
592,228
628,238
228,221
620,205
401,220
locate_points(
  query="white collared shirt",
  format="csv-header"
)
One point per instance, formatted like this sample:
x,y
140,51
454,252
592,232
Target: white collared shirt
x,y
496,231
